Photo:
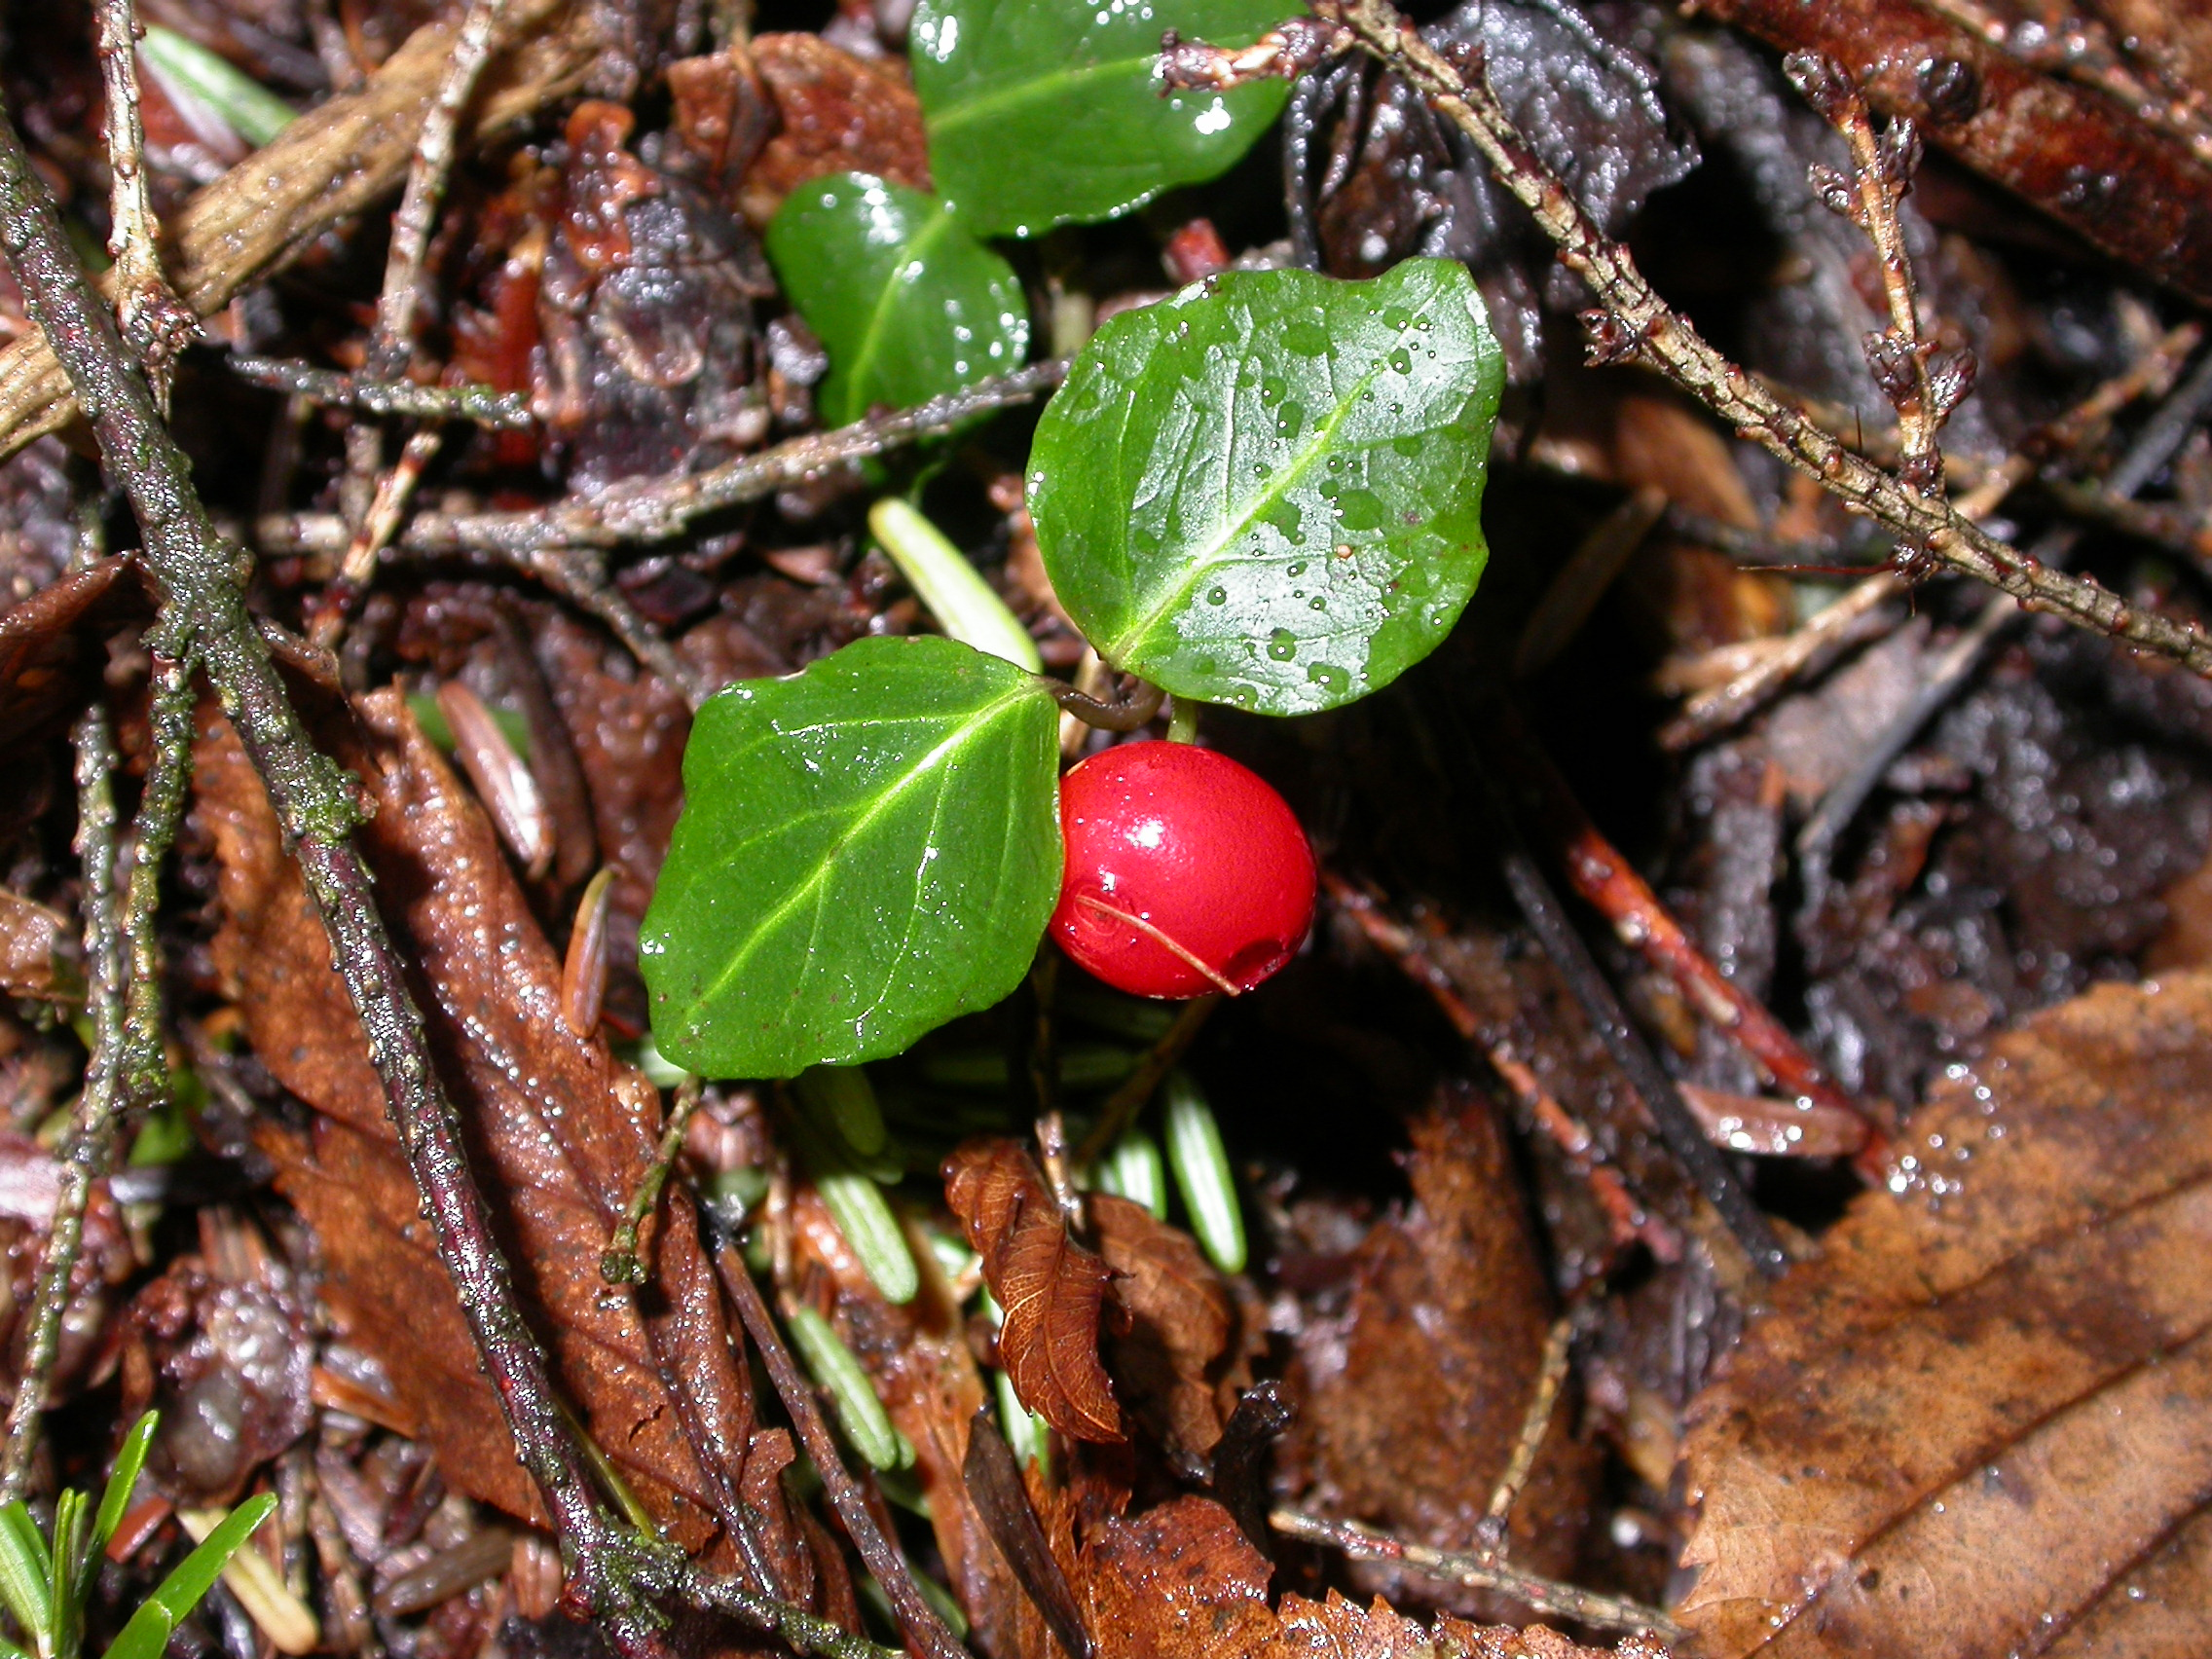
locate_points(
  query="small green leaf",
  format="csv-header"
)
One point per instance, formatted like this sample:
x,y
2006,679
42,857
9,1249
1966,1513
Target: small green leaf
x,y
851,1395
908,303
1201,1173
26,1575
1267,490
148,1632
1132,1169
129,1462
857,1204
254,112
965,605
1048,112
842,1098
868,850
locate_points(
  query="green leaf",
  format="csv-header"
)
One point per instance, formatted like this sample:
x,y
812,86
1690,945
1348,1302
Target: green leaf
x,y
868,849
254,112
148,1632
909,304
26,1574
1266,491
129,1462
851,1395
1048,112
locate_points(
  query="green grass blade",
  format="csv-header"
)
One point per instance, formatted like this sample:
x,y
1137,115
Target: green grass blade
x,y
26,1574
119,1485
148,1632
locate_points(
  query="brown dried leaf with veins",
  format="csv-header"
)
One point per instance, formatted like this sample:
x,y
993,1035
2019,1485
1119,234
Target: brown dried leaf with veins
x,y
1413,1401
1050,1287
1181,1323
1980,1423
1181,1582
557,1130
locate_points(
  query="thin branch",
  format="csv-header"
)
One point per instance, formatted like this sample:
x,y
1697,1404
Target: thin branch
x,y
486,406
1635,324
1479,1571
198,575
155,322
145,1064
620,1262
879,1552
803,1632
653,509
91,1124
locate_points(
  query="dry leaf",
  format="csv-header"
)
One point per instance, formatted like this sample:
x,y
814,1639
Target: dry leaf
x,y
1181,1322
31,962
1411,1404
38,649
557,1130
1181,1582
840,114
1982,1424
1050,1287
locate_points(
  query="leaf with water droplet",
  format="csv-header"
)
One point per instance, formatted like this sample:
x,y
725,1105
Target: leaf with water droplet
x,y
868,849
1051,114
1163,475
908,303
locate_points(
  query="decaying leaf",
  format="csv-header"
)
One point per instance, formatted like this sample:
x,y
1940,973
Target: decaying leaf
x,y
38,647
1050,1287
1181,1322
1413,1401
31,962
1980,1423
557,1132
839,114
1181,1582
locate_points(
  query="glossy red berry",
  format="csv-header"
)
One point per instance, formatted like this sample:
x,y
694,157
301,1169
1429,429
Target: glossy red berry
x,y
1185,871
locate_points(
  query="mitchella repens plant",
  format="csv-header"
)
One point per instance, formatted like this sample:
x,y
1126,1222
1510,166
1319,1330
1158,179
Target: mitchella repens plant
x,y
1263,491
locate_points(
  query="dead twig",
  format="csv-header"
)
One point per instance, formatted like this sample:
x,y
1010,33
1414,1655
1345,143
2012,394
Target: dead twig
x,y
91,1124
621,1263
1480,1571
879,1550
501,410
1634,323
155,322
618,1574
652,509
161,807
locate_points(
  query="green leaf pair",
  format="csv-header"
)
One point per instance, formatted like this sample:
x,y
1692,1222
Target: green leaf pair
x,y
1265,490
905,298
44,1584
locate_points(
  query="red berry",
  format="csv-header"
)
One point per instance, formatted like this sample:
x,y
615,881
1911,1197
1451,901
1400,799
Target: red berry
x,y
1185,871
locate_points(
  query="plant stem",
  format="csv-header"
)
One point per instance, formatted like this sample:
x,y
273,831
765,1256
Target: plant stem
x,y
153,319
145,1064
1633,322
198,577
89,1126
621,1263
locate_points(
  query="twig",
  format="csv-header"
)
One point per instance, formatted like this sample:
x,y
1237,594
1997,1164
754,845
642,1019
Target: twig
x,y
91,1124
1480,1571
197,575
161,805
1535,1423
918,1621
2153,446
155,322
379,522
1633,322
579,574
486,406
1883,166
653,509
621,1263
1677,1125
1842,622
803,1632
1611,886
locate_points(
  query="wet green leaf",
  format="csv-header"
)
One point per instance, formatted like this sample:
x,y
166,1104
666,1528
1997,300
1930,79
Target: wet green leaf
x,y
1050,114
1266,491
866,850
908,303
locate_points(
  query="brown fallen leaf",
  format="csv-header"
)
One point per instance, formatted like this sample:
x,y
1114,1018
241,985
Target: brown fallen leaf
x,y
839,114
1413,1401
41,659
1181,1582
1181,1323
33,962
1050,1287
1982,1424
557,1130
